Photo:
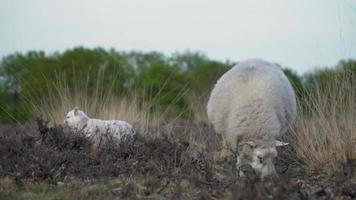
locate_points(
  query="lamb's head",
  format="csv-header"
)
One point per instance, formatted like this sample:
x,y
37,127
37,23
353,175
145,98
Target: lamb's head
x,y
259,155
76,119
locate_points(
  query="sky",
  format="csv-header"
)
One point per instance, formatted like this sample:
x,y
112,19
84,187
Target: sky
x,y
300,34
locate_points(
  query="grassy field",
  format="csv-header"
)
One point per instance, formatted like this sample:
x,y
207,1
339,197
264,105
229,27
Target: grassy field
x,y
176,157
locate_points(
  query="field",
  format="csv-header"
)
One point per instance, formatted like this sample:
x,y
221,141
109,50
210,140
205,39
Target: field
x,y
176,153
38,162
66,66
181,159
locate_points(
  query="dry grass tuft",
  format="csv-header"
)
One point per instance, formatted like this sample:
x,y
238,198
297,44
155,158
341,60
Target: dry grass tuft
x,y
324,136
100,101
103,102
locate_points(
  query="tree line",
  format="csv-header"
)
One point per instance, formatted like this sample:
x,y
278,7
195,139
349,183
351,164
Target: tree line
x,y
176,80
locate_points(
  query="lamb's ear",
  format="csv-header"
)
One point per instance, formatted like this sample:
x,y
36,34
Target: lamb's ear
x,y
76,111
280,143
252,144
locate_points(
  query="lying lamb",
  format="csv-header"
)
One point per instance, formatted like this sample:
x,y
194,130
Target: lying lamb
x,y
95,129
253,104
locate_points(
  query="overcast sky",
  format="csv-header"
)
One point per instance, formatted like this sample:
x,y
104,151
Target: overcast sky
x,y
300,34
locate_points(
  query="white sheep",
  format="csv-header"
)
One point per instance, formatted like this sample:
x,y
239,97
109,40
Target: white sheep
x,y
252,105
77,121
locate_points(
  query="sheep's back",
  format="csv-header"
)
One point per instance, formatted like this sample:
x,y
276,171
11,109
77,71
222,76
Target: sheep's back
x,y
116,128
253,97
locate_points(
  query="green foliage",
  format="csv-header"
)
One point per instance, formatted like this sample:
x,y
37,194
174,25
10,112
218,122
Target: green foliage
x,y
295,80
163,85
318,78
141,61
322,77
347,66
201,72
73,65
32,77
169,83
10,108
12,69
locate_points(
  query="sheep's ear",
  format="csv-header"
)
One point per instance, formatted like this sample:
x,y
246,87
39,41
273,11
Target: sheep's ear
x,y
280,143
76,110
252,144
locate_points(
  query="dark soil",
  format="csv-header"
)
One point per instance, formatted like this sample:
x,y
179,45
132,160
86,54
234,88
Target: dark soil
x,y
160,168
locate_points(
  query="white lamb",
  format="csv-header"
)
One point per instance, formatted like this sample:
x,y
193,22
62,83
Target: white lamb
x,y
252,105
94,129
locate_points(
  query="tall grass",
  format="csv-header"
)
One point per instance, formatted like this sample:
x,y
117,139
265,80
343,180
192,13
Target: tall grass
x,y
101,100
98,100
324,135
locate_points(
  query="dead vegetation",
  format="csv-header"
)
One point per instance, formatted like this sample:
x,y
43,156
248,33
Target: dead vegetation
x,y
177,158
324,134
37,158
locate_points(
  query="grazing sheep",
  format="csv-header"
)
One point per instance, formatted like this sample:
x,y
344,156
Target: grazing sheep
x,y
252,105
94,129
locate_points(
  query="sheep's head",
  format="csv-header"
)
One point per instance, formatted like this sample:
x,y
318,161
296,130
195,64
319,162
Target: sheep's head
x,y
76,119
259,155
